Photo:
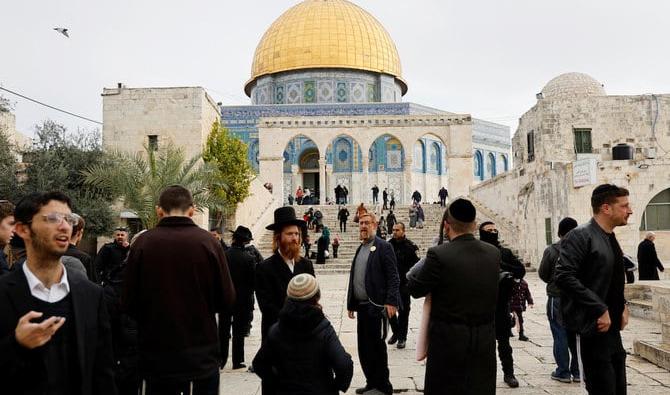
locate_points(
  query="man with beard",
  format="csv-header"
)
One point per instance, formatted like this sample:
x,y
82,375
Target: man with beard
x,y
111,255
510,269
54,329
405,254
274,273
6,232
373,294
462,278
590,275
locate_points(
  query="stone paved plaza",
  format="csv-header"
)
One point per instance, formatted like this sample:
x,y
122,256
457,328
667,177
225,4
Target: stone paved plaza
x,y
533,360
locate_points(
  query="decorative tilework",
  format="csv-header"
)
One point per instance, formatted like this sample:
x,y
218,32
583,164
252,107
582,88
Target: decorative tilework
x,y
357,92
371,93
309,91
294,93
279,94
325,91
342,93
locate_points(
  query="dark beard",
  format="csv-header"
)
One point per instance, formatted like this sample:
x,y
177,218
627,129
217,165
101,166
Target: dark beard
x,y
290,250
40,247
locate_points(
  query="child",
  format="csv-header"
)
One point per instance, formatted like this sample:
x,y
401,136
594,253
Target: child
x,y
336,244
520,295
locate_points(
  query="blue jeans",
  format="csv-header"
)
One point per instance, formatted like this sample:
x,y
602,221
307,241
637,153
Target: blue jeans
x,y
564,342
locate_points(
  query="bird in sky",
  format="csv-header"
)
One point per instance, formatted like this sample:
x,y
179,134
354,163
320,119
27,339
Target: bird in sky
x,y
62,31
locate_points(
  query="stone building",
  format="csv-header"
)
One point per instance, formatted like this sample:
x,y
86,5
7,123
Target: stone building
x,y
326,108
564,147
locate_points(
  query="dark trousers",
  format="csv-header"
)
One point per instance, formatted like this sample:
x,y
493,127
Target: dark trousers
x,y
372,348
505,352
400,322
604,361
335,247
519,316
239,323
343,225
206,386
564,342
443,201
385,206
375,197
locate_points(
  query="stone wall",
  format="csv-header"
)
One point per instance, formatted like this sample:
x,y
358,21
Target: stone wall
x,y
257,210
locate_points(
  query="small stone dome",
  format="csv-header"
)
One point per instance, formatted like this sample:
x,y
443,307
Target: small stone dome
x,y
572,85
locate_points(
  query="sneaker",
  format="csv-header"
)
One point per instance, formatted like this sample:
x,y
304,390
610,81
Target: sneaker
x,y
401,344
562,379
523,338
576,379
511,380
392,341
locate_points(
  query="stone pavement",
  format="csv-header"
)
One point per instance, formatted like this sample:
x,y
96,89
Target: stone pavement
x,y
533,360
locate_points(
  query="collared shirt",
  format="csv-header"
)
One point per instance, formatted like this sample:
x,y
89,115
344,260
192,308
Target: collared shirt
x,y
289,262
56,293
359,270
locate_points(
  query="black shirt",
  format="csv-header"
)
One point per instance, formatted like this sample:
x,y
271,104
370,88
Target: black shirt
x,y
615,304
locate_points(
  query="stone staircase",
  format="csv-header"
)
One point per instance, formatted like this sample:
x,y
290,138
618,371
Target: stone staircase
x,y
349,241
650,300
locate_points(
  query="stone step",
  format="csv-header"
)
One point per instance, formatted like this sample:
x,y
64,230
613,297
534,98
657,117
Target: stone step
x,y
641,308
656,353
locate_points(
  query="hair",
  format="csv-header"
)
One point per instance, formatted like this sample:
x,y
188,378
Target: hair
x,y
606,194
121,229
372,216
402,225
566,225
81,223
31,204
6,209
175,198
457,225
485,223
216,229
649,235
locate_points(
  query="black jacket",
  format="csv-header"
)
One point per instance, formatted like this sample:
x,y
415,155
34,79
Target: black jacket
x,y
548,267
242,271
405,255
589,264
382,283
85,259
110,256
510,268
303,355
272,278
23,371
4,266
343,214
647,261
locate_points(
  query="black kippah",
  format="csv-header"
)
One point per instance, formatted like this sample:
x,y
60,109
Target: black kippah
x,y
462,210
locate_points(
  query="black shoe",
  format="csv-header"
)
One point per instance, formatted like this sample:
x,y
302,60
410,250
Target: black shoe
x,y
523,338
239,366
363,390
392,340
401,344
511,380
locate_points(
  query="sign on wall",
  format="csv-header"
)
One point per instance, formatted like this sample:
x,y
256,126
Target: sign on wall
x,y
584,172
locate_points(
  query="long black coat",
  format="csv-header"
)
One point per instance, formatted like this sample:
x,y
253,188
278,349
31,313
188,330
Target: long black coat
x,y
302,355
272,278
242,271
23,371
647,261
462,277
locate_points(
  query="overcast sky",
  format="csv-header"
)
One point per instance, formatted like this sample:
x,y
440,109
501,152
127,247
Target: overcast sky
x,y
483,57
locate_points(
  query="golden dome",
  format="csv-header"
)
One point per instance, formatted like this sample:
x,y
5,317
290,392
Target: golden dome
x,y
326,34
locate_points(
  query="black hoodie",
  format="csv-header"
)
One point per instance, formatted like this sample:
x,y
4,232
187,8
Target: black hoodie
x,y
302,354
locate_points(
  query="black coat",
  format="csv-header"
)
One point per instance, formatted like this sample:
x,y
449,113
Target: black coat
x,y
382,283
462,277
23,371
647,261
110,256
302,355
242,271
547,268
405,254
321,247
272,278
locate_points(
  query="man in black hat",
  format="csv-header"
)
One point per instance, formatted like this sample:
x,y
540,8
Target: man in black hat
x,y
242,271
510,269
462,277
274,273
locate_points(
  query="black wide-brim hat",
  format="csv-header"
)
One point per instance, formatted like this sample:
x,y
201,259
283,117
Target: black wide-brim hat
x,y
285,216
242,233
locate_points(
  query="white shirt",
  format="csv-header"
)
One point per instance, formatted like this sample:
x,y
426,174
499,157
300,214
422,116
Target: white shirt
x,y
289,262
56,293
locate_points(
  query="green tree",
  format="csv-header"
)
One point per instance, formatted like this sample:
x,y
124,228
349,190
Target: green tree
x,y
138,179
228,155
9,186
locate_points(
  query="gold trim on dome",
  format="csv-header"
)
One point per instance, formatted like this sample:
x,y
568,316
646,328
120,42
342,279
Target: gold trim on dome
x,y
325,34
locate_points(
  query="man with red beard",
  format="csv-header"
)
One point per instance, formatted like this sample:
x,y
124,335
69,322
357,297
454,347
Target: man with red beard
x,y
274,273
55,334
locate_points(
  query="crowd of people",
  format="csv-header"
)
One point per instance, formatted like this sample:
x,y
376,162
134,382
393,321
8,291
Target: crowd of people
x,y
156,314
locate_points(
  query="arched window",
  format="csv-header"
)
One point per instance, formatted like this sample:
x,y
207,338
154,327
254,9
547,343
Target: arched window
x,y
505,163
491,165
657,214
435,162
419,156
478,165
342,155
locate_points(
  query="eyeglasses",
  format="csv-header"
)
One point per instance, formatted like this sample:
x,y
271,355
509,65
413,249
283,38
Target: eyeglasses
x,y
57,218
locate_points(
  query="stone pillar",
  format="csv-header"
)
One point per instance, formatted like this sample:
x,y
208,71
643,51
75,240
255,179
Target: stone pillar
x,y
322,180
408,182
295,179
331,182
363,187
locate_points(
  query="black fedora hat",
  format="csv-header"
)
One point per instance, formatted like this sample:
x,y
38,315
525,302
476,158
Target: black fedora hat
x,y
285,216
242,233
